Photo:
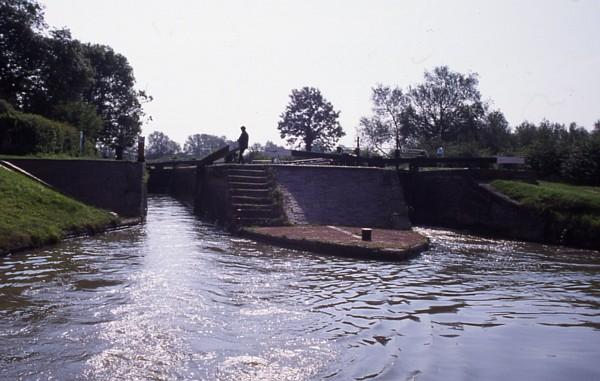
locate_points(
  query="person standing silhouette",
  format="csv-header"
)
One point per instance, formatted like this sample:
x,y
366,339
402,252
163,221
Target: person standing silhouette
x,y
242,143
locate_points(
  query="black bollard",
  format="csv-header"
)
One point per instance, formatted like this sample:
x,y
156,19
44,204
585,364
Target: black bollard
x,y
366,234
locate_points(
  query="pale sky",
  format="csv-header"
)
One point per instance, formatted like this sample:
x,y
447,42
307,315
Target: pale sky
x,y
213,65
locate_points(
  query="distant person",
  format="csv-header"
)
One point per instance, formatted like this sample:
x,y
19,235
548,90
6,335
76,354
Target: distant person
x,y
242,143
440,152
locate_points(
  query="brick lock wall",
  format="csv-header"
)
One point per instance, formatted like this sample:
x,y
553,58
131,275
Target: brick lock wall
x,y
325,195
455,199
114,185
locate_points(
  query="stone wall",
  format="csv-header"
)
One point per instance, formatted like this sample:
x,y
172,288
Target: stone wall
x,y
114,185
212,198
182,184
327,195
460,199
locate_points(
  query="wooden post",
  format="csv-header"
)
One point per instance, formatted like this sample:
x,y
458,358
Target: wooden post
x,y
141,148
366,234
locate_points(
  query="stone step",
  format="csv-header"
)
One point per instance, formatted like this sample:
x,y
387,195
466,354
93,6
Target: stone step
x,y
256,213
254,206
234,185
246,179
251,221
247,172
265,192
238,200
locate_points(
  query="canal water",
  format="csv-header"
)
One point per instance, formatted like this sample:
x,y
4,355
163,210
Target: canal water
x,y
177,299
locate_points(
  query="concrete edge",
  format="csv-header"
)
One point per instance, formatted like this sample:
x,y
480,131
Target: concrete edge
x,y
121,225
340,250
499,195
11,167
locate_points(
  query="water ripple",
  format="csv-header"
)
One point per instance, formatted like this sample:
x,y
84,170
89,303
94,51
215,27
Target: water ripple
x,y
178,299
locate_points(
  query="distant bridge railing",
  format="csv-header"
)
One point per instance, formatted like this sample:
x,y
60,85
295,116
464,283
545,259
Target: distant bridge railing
x,y
307,157
413,162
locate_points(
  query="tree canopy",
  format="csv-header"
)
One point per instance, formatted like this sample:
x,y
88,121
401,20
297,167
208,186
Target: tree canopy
x,y
20,49
383,130
114,95
200,145
160,145
446,109
51,74
310,119
446,106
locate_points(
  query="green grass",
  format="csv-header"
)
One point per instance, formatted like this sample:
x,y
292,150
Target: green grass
x,y
571,209
549,196
32,215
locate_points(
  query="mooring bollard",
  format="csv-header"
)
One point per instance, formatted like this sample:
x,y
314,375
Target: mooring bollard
x,y
366,234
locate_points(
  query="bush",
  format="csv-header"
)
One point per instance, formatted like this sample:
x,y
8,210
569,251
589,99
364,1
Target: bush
x,y
25,134
5,107
582,164
80,115
545,158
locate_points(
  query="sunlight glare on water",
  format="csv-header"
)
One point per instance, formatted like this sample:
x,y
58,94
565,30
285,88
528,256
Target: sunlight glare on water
x,y
176,298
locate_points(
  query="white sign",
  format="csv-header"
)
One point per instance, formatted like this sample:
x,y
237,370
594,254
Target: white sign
x,y
510,160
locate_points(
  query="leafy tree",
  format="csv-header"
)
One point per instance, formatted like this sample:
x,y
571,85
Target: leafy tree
x,y
65,73
525,135
383,130
494,133
82,116
256,152
270,145
581,164
200,145
21,50
447,106
49,73
116,100
576,135
160,145
543,146
38,69
310,119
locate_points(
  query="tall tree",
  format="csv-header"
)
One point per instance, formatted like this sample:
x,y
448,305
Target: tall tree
x,y
383,130
65,73
160,145
116,100
543,145
310,119
21,50
50,73
447,106
494,133
199,145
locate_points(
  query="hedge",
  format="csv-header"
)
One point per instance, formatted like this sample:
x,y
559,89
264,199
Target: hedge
x,y
25,134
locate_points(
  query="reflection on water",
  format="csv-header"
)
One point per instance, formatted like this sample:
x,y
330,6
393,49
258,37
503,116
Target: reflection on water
x,y
178,299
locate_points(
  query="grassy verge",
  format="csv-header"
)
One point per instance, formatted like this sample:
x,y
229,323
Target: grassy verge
x,y
32,215
573,211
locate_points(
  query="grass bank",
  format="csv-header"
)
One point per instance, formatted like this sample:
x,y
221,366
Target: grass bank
x,y
573,212
32,215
